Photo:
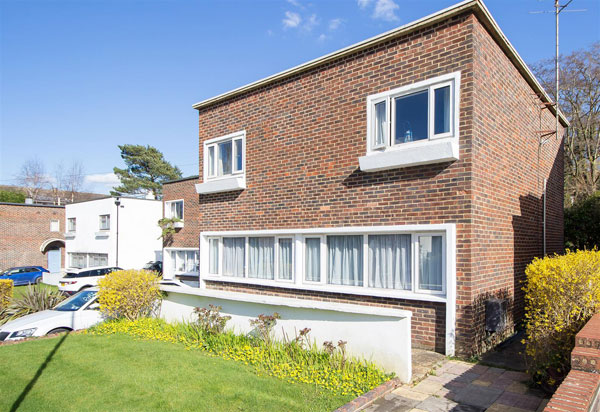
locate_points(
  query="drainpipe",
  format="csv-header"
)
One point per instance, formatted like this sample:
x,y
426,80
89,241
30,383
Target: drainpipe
x,y
544,214
118,204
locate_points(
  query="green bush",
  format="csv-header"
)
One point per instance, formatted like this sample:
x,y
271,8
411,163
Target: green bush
x,y
562,294
8,196
35,299
582,224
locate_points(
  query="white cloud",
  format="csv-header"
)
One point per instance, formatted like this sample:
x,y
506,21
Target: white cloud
x,y
291,20
104,178
312,21
322,38
335,23
295,3
386,10
363,3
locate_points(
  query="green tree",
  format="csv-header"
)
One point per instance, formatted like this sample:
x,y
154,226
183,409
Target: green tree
x,y
8,196
146,171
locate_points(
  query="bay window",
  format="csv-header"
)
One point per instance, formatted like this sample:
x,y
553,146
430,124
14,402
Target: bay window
x,y
384,260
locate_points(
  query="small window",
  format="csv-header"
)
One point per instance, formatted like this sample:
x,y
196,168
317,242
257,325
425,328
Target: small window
x,y
224,156
78,260
430,263
71,224
98,259
54,226
104,222
174,209
312,259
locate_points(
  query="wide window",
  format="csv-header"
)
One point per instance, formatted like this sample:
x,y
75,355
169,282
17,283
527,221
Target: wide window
x,y
224,156
98,259
78,260
104,222
71,224
394,262
174,209
419,112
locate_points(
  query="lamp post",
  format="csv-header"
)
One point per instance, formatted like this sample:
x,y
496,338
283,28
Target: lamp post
x,y
118,204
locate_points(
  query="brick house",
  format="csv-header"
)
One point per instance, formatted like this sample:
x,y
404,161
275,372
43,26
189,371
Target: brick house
x,y
405,172
32,235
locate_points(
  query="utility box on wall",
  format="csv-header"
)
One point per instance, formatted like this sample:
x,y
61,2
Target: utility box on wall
x,y
495,314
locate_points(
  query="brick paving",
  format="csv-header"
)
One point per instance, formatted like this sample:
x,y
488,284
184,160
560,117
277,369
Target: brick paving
x,y
463,387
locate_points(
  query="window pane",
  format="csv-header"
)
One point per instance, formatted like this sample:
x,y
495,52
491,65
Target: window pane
x,y
345,260
234,256
238,155
312,261
285,259
380,124
261,257
430,262
213,256
181,261
411,117
178,212
442,110
224,167
211,161
173,261
389,262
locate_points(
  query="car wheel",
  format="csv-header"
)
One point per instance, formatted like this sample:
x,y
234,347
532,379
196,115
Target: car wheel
x,y
38,280
58,330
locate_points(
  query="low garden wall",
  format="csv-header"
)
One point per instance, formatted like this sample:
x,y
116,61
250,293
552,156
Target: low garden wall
x,y
381,335
580,391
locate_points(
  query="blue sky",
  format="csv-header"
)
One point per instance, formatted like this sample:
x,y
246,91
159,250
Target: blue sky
x,y
78,78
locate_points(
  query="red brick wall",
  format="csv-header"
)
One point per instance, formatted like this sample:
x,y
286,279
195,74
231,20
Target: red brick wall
x,y
188,235
304,136
23,229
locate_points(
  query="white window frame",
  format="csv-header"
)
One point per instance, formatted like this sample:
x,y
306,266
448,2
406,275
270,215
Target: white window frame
x,y
277,253
451,79
167,254
71,228
447,231
55,225
168,211
233,137
100,222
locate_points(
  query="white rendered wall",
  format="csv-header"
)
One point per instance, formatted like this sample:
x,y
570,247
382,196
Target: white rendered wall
x,y
381,335
138,230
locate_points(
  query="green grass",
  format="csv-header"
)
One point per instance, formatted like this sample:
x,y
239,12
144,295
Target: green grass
x,y
118,373
19,291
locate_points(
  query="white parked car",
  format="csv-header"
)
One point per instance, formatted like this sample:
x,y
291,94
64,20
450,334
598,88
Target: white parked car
x,y
80,311
76,280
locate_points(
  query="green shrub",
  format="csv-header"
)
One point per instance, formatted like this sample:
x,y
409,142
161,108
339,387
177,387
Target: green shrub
x,y
562,293
8,196
35,299
582,223
129,294
6,292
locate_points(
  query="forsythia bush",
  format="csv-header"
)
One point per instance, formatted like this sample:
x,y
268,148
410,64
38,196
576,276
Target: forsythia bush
x,y
6,292
129,294
562,293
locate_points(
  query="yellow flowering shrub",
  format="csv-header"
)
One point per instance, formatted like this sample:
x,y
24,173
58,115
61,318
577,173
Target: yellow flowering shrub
x,y
561,295
129,294
289,361
6,292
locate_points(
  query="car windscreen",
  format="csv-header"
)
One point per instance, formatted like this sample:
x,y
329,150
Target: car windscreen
x,y
75,302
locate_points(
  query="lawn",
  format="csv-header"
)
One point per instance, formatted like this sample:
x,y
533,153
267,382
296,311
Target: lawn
x,y
19,291
116,373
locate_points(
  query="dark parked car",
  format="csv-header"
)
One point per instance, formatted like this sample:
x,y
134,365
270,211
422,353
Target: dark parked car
x,y
154,266
24,275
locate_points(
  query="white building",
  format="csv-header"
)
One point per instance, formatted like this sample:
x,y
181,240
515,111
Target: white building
x,y
100,233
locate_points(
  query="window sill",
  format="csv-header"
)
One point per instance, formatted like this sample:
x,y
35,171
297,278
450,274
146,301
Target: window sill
x,y
228,184
70,235
178,225
103,234
429,152
350,290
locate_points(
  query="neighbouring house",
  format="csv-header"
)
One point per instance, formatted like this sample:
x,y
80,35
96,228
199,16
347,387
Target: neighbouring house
x,y
32,235
54,197
113,231
384,194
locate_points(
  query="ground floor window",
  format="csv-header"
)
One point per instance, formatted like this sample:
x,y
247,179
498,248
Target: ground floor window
x,y
78,260
183,261
98,259
412,261
84,260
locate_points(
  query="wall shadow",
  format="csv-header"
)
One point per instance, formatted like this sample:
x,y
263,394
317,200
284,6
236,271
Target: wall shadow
x,y
359,178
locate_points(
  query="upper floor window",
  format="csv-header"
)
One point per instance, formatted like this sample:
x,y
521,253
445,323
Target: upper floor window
x,y
422,111
71,224
224,156
174,209
104,222
54,226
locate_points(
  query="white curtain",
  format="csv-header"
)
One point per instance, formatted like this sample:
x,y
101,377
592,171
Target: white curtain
x,y
261,257
380,123
191,262
430,262
285,259
345,260
234,256
181,261
213,258
313,259
389,262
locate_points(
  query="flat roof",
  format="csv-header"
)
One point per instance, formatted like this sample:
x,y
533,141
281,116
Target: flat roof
x,y
475,6
31,205
183,179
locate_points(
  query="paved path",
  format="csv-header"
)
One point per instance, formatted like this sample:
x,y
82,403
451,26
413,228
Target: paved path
x,y
464,387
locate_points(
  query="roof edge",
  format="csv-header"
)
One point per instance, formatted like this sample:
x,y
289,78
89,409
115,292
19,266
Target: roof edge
x,y
31,205
183,179
477,6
